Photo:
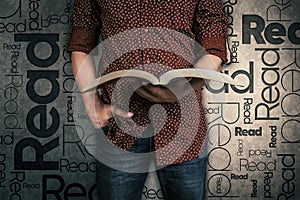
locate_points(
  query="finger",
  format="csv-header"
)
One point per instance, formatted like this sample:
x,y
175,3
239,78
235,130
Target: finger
x,y
144,83
191,86
197,83
103,116
188,79
183,80
157,91
162,94
143,92
149,86
121,113
107,111
140,88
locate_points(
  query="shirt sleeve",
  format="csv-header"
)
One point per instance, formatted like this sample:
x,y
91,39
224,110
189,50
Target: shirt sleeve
x,y
210,27
86,26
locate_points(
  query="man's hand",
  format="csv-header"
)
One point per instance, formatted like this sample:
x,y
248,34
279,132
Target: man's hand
x,y
99,113
172,92
84,71
181,87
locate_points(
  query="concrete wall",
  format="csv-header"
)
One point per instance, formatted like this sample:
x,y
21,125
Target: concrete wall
x,y
253,131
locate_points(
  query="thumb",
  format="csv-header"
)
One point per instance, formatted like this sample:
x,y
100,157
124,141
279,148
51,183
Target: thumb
x,y
121,113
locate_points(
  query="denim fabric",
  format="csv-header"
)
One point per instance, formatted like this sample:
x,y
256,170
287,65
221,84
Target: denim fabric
x,y
184,181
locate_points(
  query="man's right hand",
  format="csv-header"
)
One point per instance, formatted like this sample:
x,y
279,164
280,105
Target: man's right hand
x,y
84,71
100,113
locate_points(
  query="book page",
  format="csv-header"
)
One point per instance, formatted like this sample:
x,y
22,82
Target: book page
x,y
196,73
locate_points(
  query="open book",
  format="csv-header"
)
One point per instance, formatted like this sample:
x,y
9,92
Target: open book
x,y
164,79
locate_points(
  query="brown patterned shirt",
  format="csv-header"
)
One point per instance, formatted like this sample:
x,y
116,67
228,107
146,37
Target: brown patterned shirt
x,y
140,34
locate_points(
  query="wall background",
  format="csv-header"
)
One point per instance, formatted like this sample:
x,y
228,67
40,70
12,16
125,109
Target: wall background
x,y
254,131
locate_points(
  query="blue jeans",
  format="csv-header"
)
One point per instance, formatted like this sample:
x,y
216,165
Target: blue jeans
x,y
184,181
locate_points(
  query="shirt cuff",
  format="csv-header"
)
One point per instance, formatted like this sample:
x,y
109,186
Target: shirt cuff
x,y
83,40
216,46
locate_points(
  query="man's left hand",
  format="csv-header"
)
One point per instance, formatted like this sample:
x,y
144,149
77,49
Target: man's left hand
x,y
173,92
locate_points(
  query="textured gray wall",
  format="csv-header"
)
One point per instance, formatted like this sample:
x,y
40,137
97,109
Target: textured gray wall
x,y
253,131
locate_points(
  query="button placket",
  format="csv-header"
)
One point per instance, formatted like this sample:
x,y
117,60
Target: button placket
x,y
143,9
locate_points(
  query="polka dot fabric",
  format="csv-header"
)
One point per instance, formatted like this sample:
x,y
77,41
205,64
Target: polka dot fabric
x,y
201,20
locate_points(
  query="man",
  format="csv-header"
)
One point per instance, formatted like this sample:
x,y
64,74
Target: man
x,y
182,175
